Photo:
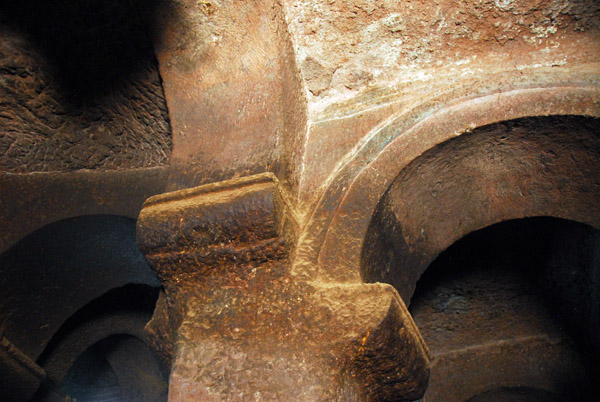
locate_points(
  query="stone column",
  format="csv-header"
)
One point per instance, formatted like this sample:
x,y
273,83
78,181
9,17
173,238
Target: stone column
x,y
234,324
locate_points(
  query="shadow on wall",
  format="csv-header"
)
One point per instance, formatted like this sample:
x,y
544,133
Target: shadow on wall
x,y
558,257
55,271
119,368
76,283
90,46
80,87
518,303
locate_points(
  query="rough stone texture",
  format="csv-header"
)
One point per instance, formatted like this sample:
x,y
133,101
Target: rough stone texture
x,y
346,208
246,329
354,131
79,88
490,330
366,62
30,201
338,99
232,88
347,46
491,321
517,169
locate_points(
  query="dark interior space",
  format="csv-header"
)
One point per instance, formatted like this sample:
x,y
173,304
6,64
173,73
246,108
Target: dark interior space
x,y
135,299
101,354
55,271
91,377
280,200
537,166
118,368
67,289
534,280
91,47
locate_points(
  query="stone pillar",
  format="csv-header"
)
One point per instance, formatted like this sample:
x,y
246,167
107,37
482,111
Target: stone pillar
x,y
234,324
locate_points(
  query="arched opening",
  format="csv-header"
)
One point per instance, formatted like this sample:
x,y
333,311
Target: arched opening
x,y
92,378
538,166
74,284
117,368
514,305
355,190
55,271
101,351
524,195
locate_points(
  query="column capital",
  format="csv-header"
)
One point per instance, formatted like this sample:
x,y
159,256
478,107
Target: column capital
x,y
244,328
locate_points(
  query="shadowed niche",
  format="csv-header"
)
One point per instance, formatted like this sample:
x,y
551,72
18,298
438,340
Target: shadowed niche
x,y
534,280
80,86
90,46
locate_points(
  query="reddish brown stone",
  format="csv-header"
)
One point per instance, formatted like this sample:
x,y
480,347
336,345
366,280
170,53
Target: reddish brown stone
x,y
393,129
245,326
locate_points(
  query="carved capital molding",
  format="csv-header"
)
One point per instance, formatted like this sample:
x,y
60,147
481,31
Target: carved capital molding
x,y
242,325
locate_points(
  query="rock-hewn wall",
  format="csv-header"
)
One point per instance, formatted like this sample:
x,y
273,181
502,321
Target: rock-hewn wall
x,y
364,62
79,88
232,87
346,46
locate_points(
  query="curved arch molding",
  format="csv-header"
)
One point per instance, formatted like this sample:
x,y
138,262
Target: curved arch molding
x,y
330,244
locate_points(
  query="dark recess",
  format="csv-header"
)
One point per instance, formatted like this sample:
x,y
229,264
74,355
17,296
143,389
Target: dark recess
x,y
558,259
53,272
129,297
91,46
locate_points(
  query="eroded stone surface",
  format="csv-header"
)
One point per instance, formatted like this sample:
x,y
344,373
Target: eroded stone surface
x,y
378,43
244,327
364,63
80,89
521,168
233,90
492,321
337,108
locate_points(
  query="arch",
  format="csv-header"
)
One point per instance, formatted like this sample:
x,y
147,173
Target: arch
x,y
55,271
515,169
331,243
106,335
513,305
135,373
120,311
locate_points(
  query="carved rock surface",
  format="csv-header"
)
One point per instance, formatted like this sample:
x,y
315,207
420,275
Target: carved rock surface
x,y
373,43
243,328
79,88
